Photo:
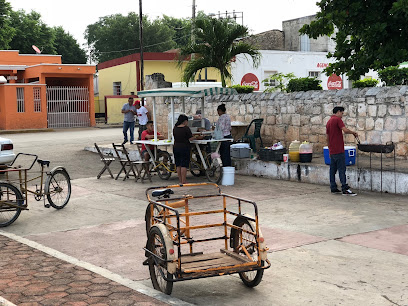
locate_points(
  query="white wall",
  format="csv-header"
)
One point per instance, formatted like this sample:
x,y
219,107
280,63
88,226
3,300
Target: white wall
x,y
299,63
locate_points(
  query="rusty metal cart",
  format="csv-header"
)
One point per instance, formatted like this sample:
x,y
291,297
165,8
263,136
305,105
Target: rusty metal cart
x,y
55,185
174,236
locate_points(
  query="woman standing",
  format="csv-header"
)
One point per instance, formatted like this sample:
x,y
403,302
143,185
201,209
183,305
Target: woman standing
x,y
181,149
224,124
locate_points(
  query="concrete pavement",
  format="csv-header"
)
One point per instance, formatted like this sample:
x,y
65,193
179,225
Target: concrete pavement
x,y
325,249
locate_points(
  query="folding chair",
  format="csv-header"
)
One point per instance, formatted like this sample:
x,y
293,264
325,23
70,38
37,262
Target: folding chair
x,y
106,161
129,167
144,165
257,133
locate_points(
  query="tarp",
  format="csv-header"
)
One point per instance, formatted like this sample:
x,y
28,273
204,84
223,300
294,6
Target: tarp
x,y
196,92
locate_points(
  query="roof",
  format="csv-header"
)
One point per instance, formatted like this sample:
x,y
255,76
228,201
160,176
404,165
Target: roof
x,y
195,92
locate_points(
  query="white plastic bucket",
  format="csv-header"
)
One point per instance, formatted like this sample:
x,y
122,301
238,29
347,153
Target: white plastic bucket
x,y
228,176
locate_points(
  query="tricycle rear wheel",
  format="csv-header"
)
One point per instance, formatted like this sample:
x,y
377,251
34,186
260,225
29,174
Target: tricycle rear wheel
x,y
250,278
156,245
9,194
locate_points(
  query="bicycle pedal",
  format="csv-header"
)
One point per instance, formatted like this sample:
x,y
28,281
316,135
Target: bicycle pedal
x,y
47,205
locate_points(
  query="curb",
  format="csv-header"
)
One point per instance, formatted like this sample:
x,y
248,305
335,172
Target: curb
x,y
134,285
4,302
25,131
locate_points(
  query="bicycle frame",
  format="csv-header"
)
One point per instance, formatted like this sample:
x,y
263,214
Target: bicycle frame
x,y
22,178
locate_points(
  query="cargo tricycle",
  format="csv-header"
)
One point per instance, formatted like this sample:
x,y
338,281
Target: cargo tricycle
x,y
195,231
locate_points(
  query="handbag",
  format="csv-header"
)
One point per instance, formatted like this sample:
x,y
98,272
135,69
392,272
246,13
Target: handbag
x,y
218,134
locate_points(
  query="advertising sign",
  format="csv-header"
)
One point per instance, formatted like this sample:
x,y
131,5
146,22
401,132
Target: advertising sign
x,y
250,79
334,82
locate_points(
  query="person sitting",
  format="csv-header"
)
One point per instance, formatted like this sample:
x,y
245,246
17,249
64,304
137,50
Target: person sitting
x,y
207,123
148,134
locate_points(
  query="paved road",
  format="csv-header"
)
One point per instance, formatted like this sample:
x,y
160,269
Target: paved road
x,y
65,147
325,249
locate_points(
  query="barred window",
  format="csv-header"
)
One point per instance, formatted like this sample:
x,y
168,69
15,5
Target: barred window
x,y
117,88
37,99
314,74
270,83
20,100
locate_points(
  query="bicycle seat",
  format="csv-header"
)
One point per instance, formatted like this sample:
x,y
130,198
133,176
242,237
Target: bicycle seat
x,y
43,162
162,192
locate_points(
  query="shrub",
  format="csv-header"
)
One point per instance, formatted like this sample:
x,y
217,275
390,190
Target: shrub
x,y
243,88
365,83
304,84
394,75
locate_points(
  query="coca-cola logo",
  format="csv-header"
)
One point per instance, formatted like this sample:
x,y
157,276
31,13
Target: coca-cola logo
x,y
334,82
250,79
253,83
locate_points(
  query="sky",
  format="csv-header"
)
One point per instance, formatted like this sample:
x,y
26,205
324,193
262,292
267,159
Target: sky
x,y
75,15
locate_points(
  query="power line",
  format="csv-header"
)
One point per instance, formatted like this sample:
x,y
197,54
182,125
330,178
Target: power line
x,y
133,49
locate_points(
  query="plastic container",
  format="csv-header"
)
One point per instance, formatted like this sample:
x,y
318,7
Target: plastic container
x,y
294,151
240,150
228,176
305,152
271,155
349,151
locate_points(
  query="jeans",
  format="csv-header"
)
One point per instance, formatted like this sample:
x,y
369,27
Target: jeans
x,y
338,163
225,152
126,126
141,129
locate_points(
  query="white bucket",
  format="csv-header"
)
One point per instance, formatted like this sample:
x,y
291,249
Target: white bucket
x,y
228,176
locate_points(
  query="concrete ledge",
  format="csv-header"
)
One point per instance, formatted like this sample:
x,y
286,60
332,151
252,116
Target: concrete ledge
x,y
358,179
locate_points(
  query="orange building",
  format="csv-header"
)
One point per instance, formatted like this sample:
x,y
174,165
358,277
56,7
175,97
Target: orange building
x,y
37,91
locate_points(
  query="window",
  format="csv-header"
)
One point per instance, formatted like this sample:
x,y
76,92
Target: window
x,y
37,99
314,74
304,43
117,88
269,83
20,100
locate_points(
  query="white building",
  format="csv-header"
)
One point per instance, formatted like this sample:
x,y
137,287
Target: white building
x,y
301,64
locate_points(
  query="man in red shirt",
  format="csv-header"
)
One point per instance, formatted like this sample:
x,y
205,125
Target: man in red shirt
x,y
148,134
334,132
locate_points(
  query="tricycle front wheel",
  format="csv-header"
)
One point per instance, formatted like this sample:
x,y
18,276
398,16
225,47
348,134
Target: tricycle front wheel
x,y
250,278
158,265
58,188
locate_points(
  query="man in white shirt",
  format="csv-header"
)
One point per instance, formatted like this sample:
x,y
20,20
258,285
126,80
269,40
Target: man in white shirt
x,y
143,116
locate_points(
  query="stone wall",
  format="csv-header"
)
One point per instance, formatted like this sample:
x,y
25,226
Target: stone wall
x,y
378,114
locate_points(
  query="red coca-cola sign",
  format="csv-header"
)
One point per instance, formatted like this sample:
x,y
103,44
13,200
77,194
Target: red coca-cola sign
x,y
250,79
334,82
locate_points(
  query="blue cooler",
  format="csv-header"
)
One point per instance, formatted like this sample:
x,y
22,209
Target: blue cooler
x,y
348,150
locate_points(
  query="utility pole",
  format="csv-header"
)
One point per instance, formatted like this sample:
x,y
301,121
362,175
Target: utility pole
x,y
141,47
192,22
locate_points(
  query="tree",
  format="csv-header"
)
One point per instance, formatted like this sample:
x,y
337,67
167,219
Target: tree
x,y
182,29
371,34
68,47
30,30
117,35
6,31
216,46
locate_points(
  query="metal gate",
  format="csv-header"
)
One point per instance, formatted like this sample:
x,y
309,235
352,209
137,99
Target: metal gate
x,y
67,106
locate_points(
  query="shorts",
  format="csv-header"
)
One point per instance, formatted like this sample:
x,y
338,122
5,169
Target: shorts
x,y
182,157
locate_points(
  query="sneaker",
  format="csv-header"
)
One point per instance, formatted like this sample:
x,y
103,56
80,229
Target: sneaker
x,y
349,193
336,191
124,142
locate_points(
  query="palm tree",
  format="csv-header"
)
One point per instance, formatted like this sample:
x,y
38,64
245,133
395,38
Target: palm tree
x,y
216,46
